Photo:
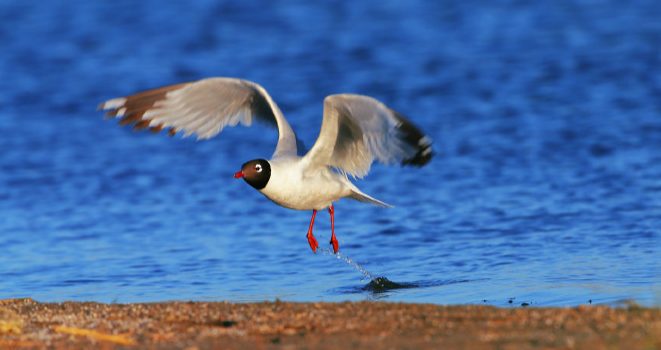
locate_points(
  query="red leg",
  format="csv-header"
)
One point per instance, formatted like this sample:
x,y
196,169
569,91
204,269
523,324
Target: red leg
x,y
313,241
333,240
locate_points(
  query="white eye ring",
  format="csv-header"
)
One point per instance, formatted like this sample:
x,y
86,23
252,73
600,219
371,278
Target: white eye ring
x,y
258,168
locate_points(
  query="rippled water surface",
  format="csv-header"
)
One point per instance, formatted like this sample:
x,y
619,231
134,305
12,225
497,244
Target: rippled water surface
x,y
545,188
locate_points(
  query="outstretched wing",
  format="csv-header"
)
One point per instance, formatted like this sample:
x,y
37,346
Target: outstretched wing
x,y
203,108
357,129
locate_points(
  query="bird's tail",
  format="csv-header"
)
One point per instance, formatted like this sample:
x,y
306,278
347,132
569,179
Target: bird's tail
x,y
361,197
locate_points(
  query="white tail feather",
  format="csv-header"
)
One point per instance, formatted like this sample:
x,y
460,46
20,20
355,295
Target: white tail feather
x,y
361,197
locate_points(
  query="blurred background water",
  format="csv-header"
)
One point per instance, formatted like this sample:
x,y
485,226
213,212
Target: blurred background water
x,y
545,188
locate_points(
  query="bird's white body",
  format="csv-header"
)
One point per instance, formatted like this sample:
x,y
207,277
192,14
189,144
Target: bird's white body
x,y
291,186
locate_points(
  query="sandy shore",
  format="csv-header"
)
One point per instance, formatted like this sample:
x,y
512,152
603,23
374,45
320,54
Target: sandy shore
x,y
25,323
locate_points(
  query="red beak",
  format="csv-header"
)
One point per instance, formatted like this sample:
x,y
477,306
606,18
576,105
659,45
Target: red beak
x,y
239,174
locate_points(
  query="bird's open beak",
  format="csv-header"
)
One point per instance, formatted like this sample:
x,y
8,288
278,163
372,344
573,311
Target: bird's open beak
x,y
239,174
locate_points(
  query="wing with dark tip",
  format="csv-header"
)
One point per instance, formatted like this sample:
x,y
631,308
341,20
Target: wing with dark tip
x,y
203,108
356,130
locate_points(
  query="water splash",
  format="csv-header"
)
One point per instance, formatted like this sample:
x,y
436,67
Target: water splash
x,y
352,262
376,285
382,285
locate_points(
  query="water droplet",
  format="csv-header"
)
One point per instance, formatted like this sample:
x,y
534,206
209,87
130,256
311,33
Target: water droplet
x,y
350,262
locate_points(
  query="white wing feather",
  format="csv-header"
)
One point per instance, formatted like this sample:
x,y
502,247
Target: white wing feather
x,y
357,129
204,108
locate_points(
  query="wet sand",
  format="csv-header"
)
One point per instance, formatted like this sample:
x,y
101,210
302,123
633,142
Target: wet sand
x,y
25,323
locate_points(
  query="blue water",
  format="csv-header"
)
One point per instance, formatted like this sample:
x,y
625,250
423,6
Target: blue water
x,y
545,188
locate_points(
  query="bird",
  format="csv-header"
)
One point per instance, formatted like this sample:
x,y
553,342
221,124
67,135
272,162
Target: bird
x,y
356,130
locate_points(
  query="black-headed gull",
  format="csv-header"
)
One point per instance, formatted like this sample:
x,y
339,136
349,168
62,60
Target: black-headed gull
x,y
355,131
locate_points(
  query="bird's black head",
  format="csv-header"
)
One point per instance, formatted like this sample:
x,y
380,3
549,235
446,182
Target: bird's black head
x,y
256,173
